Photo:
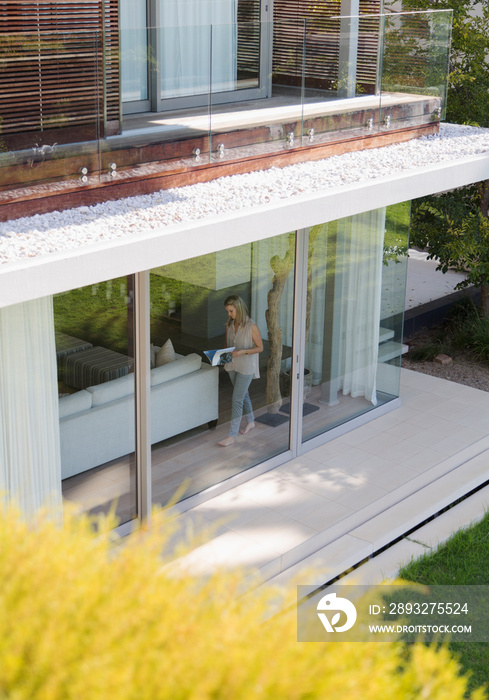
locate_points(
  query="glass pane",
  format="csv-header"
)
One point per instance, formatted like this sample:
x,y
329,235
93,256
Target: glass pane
x,y
95,351
341,56
415,67
49,129
249,44
394,275
186,62
257,125
134,50
195,405
235,57
354,312
175,138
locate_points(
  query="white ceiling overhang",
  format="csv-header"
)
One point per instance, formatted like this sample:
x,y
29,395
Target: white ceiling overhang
x,y
40,275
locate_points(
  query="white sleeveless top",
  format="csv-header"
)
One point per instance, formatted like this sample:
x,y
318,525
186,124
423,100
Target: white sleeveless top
x,y
242,339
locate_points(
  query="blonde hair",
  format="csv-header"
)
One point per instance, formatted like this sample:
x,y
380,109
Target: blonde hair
x,y
242,313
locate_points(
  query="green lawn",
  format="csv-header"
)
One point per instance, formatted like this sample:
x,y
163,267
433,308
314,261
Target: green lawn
x,y
463,560
101,313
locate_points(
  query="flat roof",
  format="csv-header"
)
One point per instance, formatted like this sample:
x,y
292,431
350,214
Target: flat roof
x,y
57,251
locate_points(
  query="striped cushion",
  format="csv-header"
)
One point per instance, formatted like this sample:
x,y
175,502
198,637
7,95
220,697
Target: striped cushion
x,y
66,344
94,366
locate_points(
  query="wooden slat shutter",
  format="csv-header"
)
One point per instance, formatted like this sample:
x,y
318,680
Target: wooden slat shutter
x,y
112,66
322,43
248,38
52,67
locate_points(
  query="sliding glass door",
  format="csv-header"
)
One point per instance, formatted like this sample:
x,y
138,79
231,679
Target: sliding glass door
x,y
355,275
121,404
135,52
209,423
328,302
189,53
93,331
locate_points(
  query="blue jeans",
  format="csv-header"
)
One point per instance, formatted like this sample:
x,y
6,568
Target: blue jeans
x,y
241,401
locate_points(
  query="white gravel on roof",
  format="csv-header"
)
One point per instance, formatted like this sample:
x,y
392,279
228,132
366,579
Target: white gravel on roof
x,y
43,234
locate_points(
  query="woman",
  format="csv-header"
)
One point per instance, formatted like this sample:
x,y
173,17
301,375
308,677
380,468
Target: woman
x,y
244,335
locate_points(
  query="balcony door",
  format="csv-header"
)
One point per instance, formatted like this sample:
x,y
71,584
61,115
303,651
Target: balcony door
x,y
134,47
177,54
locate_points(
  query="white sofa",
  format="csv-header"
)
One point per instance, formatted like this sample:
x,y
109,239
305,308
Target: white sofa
x,y
97,423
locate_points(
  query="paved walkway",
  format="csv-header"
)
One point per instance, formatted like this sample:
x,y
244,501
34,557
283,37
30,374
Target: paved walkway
x,y
344,501
424,283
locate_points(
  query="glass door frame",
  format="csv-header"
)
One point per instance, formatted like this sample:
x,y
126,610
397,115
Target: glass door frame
x,y
142,377
299,342
155,103
296,446
145,105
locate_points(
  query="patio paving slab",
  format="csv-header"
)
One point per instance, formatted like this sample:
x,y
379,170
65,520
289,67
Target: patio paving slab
x,y
340,503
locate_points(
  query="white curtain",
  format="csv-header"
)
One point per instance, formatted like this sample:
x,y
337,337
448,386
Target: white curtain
x,y
191,32
317,270
134,50
356,303
30,466
358,289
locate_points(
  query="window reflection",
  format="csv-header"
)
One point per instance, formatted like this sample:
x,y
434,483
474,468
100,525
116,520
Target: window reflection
x,y
355,302
188,317
95,360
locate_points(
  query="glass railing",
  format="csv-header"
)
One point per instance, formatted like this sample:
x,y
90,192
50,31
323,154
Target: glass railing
x,y
51,111
192,96
414,69
341,59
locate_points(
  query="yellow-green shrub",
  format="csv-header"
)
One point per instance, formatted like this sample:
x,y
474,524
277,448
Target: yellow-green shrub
x,y
82,620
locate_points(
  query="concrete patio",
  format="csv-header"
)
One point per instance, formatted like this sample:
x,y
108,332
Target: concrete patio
x,y
341,503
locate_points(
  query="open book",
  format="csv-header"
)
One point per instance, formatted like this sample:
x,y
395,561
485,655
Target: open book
x,y
219,357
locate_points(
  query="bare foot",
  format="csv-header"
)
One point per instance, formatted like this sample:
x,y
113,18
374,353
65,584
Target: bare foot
x,y
247,428
226,442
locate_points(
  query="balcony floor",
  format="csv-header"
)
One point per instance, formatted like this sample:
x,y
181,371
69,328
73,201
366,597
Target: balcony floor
x,y
281,109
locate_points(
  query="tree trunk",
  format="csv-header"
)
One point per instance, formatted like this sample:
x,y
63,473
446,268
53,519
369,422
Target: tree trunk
x,y
484,207
485,300
281,268
313,234
484,192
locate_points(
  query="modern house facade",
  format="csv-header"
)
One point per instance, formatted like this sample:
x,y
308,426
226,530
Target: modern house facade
x,y
106,392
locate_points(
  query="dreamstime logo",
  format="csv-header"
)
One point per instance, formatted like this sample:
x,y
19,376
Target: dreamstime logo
x,y
330,603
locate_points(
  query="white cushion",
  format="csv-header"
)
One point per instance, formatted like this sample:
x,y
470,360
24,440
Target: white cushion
x,y
74,403
166,354
113,390
177,368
